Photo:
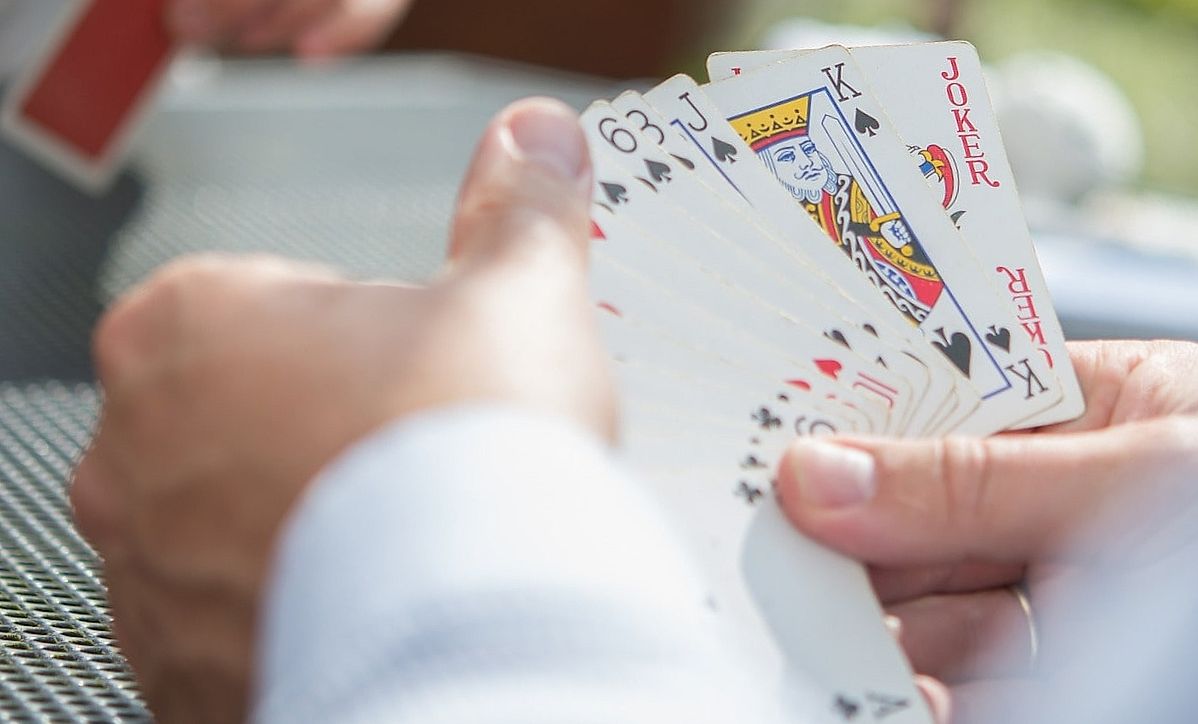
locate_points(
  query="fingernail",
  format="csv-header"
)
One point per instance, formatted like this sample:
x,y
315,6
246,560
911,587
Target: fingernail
x,y
894,625
548,134
832,476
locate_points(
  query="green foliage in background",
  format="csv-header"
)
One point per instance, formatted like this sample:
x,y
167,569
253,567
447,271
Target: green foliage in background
x,y
1148,47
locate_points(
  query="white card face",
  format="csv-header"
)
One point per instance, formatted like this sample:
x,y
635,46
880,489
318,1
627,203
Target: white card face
x,y
700,192
705,225
936,96
640,241
813,122
645,321
685,108
648,323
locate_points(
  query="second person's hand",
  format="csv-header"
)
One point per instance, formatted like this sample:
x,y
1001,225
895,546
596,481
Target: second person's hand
x,y
309,28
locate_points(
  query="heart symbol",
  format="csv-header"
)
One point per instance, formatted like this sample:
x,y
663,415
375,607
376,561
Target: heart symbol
x,y
866,123
831,367
959,350
1000,338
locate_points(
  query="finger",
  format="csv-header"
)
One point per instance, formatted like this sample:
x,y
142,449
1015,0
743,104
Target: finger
x,y
95,501
965,637
210,22
525,201
350,26
893,585
1003,499
938,698
277,24
1106,369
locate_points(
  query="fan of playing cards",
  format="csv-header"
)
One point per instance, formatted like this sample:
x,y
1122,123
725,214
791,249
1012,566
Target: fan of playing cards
x,y
815,242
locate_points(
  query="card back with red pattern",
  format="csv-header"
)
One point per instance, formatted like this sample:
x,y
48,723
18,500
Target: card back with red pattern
x,y
78,103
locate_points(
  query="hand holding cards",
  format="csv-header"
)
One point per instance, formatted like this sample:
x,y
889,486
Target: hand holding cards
x,y
817,242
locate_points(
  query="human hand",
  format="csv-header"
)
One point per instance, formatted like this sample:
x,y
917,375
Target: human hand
x,y
948,526
230,383
309,28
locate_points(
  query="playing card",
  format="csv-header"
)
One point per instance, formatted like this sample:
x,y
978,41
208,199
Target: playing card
x,y
651,243
768,263
733,264
749,254
645,322
812,121
959,150
77,105
688,112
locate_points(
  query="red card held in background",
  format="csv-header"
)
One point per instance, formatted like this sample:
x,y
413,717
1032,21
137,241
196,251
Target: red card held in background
x,y
76,106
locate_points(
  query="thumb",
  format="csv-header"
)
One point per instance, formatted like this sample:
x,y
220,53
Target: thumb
x,y
526,198
1004,499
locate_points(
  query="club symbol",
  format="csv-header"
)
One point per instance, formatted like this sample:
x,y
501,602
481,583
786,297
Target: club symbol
x,y
766,419
884,705
1000,338
724,152
750,493
866,123
846,707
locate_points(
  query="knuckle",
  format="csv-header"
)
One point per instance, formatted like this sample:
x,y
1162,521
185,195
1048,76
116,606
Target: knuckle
x,y
136,328
964,469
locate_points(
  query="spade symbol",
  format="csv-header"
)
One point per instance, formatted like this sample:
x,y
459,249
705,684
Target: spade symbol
x,y
616,193
866,123
1000,338
959,350
957,218
724,152
659,171
689,164
837,336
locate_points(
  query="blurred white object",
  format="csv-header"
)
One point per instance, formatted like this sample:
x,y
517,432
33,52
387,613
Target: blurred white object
x,y
1069,130
805,33
23,26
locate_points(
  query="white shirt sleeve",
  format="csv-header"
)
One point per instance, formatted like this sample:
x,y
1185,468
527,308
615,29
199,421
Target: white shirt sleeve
x,y
489,565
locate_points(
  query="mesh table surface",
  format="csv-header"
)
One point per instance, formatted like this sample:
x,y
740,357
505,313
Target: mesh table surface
x,y
355,166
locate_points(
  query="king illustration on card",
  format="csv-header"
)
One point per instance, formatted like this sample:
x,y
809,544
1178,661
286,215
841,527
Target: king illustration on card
x,y
820,169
